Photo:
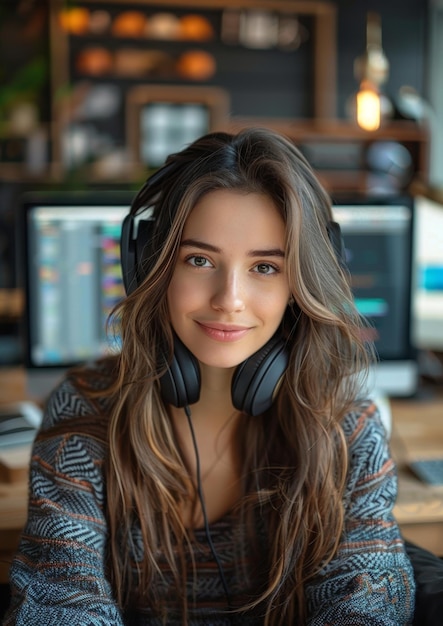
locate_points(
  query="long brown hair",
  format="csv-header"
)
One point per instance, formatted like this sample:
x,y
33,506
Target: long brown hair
x,y
294,458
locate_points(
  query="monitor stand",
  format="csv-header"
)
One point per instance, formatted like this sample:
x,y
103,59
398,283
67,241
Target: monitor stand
x,y
398,379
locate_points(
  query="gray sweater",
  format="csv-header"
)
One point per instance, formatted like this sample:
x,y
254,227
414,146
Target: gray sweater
x,y
58,575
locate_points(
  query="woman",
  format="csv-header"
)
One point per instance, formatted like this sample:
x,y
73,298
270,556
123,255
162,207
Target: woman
x,y
222,468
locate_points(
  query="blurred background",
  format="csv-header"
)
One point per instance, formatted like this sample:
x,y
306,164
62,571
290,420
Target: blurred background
x,y
94,95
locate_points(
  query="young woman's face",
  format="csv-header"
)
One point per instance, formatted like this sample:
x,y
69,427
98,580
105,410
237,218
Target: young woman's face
x,y
229,289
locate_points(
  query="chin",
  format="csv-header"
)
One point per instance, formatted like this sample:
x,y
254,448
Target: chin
x,y
222,359
220,363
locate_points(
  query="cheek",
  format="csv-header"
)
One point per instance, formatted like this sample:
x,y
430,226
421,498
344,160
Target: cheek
x,y
274,303
181,296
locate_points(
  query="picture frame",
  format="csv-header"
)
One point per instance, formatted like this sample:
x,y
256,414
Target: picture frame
x,y
161,119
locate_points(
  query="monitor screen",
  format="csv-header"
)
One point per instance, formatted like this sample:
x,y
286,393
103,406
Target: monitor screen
x,y
72,280
377,235
427,310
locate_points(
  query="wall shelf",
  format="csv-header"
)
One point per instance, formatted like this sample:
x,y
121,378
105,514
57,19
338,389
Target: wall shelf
x,y
313,126
339,150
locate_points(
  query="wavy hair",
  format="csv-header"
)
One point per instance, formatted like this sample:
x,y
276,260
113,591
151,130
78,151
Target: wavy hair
x,y
294,458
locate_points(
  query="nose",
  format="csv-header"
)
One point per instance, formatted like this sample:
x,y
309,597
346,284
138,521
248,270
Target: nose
x,y
229,294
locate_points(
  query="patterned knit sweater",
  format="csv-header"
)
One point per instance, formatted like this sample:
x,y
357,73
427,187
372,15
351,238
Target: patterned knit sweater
x,y
58,575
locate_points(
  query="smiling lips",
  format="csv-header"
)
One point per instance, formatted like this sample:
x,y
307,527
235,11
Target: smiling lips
x,y
223,332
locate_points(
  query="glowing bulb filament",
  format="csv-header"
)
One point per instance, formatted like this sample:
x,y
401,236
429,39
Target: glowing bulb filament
x,y
368,109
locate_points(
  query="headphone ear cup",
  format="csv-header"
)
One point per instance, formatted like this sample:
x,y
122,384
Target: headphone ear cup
x,y
180,385
133,249
135,235
143,244
257,379
128,254
337,242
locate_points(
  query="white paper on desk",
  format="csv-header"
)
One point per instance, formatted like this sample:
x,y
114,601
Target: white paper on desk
x,y
384,408
19,422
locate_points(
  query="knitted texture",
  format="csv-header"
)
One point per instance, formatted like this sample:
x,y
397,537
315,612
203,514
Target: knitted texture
x,y
58,575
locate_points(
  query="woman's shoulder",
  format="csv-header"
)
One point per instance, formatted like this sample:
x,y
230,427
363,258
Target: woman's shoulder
x,y
366,435
370,458
363,420
77,403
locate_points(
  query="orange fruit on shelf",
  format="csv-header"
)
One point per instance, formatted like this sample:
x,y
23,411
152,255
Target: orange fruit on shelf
x,y
195,27
129,24
74,20
196,65
95,61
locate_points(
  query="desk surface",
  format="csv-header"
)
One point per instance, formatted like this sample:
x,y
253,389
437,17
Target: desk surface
x,y
417,430
12,384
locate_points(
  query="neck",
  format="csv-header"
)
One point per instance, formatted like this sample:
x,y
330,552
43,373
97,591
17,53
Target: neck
x,y
215,406
214,423
215,395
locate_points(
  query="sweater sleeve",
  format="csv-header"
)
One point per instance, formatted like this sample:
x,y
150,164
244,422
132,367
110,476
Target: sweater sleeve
x,y
58,574
370,581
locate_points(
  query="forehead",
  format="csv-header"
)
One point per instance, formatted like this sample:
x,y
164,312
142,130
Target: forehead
x,y
229,213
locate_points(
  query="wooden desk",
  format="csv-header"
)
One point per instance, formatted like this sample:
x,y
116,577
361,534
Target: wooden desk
x,y
13,499
417,430
13,496
12,384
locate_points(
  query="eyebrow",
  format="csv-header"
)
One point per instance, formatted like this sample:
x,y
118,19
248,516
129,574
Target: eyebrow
x,y
196,243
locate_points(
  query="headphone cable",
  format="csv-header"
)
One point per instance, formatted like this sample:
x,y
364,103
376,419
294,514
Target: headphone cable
x,y
204,512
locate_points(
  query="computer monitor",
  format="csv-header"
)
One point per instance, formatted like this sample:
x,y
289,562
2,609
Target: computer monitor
x,y
427,302
72,279
378,235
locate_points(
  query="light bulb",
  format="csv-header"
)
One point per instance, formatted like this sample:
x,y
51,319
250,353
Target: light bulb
x,y
368,107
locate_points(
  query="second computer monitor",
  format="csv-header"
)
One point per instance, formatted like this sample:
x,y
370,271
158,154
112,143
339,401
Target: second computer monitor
x,y
378,236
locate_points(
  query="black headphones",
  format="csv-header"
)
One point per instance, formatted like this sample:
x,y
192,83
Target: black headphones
x,y
257,379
